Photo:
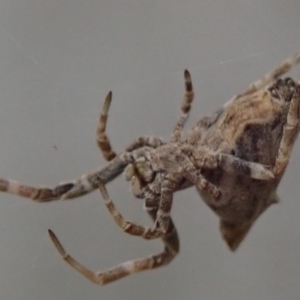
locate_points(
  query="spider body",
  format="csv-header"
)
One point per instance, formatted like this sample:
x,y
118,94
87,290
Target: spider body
x,y
249,128
235,159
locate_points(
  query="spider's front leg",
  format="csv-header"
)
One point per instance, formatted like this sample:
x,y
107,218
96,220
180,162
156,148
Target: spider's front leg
x,y
203,158
192,173
232,164
290,129
270,77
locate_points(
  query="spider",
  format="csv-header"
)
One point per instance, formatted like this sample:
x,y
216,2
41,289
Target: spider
x,y
235,158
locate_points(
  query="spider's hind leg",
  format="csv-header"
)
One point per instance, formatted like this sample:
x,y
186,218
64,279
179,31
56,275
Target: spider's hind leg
x,y
270,77
290,128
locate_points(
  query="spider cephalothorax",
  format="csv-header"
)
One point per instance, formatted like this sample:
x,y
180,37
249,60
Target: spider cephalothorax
x,y
235,159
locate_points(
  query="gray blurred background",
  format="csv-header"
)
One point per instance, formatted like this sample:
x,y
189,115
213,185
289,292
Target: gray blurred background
x,y
58,59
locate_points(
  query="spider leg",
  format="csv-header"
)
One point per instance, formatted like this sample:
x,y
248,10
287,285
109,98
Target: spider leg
x,y
185,108
73,188
104,142
168,185
39,194
102,138
115,167
70,189
127,226
171,249
194,176
170,238
270,77
204,158
289,133
88,182
164,188
232,164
